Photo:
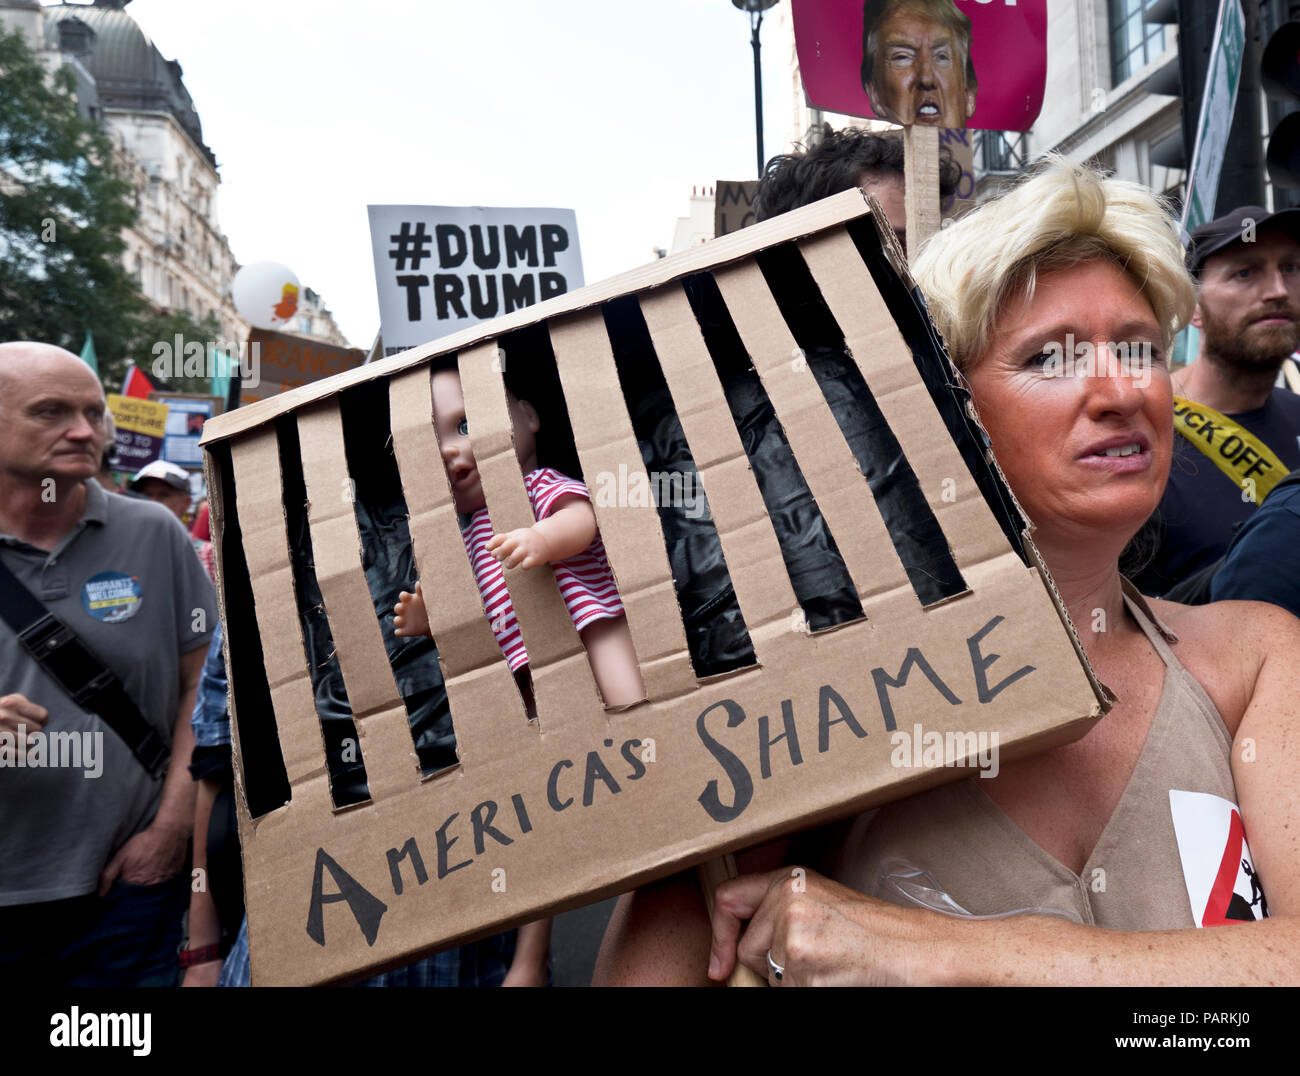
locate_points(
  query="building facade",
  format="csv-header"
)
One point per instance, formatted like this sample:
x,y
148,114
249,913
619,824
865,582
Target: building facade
x,y
1112,98
179,255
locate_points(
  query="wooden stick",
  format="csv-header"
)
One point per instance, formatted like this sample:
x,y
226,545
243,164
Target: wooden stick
x,y
1292,376
713,874
921,179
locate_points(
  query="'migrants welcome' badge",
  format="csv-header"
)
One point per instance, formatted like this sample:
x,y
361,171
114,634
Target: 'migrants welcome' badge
x,y
111,596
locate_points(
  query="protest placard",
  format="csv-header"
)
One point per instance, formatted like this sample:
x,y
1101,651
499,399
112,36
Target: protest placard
x,y
442,268
962,200
998,86
284,361
733,205
186,414
951,634
140,426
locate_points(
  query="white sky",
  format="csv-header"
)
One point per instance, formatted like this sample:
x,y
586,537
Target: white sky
x,y
316,108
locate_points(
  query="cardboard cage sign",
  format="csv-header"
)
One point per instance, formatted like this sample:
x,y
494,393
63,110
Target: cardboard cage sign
x,y
918,71
795,345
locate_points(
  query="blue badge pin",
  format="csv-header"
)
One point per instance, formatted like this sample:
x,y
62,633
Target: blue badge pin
x,y
111,596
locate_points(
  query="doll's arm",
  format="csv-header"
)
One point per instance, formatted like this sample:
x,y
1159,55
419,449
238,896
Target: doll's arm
x,y
566,532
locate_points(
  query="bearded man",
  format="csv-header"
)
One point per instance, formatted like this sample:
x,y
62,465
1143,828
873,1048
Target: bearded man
x,y
1239,435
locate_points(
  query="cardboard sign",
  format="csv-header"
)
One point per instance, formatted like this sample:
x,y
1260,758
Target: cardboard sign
x,y
186,415
443,268
140,426
1008,52
733,205
581,803
962,200
284,361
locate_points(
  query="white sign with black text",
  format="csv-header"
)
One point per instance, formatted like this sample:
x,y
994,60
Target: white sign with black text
x,y
443,268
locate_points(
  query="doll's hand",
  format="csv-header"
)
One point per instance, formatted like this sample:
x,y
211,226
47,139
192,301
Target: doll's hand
x,y
410,618
522,548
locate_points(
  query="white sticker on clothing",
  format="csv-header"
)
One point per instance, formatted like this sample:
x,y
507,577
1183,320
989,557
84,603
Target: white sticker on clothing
x,y
1217,866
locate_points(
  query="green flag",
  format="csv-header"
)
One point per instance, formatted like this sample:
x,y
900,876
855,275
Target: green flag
x,y
88,353
221,370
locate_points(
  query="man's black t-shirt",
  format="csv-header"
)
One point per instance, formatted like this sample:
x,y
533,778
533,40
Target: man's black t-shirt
x,y
1202,507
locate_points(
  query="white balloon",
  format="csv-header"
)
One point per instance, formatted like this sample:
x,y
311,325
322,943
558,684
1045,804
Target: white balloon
x,y
265,294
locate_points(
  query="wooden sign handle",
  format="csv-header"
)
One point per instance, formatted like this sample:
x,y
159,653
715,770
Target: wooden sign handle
x,y
1292,376
713,874
921,192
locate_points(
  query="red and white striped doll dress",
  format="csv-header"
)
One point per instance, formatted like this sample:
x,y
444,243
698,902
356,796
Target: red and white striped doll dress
x,y
585,581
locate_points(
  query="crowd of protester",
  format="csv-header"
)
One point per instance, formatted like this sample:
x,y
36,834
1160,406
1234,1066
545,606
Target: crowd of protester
x,y
121,875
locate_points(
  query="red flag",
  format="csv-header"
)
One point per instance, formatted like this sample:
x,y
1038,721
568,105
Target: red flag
x,y
136,383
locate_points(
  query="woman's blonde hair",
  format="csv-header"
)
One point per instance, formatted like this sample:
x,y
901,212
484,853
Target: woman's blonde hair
x,y
1062,214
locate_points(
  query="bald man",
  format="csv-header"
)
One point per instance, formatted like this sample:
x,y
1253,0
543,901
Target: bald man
x,y
92,878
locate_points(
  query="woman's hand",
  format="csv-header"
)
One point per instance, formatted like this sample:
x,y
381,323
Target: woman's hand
x,y
824,934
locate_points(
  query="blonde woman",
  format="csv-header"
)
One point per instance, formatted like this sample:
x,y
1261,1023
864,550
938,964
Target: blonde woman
x,y
996,881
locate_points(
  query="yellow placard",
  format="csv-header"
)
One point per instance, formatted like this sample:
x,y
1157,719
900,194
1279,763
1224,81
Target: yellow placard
x,y
138,416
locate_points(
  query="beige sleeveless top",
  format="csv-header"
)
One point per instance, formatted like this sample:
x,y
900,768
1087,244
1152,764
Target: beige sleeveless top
x,y
955,840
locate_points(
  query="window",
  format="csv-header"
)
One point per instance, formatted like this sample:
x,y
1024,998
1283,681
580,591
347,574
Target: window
x,y
1133,43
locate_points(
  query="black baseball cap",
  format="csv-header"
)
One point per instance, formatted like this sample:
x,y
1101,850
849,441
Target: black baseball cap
x,y
1213,237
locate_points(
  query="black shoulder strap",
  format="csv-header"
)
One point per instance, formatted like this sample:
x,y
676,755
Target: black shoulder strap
x,y
75,668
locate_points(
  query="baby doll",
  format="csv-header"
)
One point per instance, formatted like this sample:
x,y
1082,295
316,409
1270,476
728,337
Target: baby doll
x,y
564,536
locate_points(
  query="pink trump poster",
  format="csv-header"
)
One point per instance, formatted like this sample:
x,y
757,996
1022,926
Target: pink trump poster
x,y
939,63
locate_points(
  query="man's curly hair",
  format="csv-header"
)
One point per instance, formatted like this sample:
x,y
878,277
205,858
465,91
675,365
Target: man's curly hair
x,y
832,161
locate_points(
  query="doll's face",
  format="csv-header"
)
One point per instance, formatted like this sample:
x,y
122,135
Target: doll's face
x,y
453,439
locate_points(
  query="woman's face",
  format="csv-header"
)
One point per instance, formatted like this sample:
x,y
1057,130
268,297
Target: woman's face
x,y
1074,392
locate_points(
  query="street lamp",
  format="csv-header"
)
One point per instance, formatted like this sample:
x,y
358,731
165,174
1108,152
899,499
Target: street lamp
x,y
755,8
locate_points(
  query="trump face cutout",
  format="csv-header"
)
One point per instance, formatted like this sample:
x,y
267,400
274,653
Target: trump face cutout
x,y
916,65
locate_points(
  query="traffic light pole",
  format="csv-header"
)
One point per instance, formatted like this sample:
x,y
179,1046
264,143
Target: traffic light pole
x,y
1241,178
756,23
1242,181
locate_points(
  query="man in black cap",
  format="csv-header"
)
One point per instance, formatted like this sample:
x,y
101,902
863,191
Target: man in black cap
x,y
1239,435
